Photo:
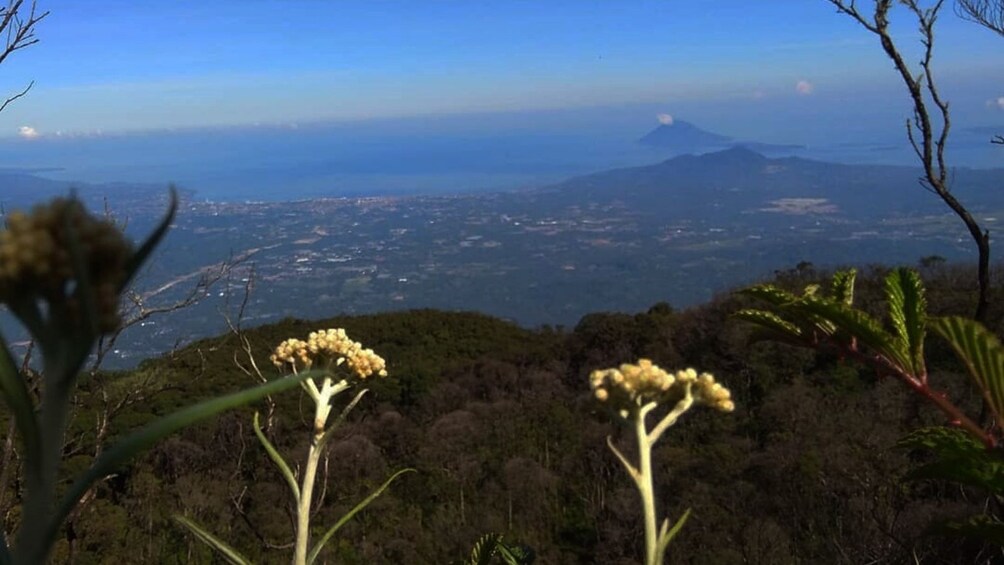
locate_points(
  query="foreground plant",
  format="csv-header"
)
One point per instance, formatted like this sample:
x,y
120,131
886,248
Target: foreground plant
x,y
965,452
635,391
829,322
62,272
340,364
492,548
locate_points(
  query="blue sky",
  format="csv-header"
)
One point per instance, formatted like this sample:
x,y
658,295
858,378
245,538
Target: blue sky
x,y
123,65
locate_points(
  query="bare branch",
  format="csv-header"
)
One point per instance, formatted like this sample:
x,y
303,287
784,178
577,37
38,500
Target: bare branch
x,y
928,130
20,33
987,13
16,96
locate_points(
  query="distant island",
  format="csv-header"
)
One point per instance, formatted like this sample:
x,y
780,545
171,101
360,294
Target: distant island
x,y
684,137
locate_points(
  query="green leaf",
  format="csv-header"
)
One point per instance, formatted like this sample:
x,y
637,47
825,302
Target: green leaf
x,y
341,418
842,286
982,527
512,555
143,253
666,534
958,457
484,549
221,547
277,459
770,294
142,439
853,323
908,313
772,322
348,516
981,352
20,403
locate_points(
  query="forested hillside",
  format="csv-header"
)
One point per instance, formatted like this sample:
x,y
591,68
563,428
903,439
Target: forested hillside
x,y
499,424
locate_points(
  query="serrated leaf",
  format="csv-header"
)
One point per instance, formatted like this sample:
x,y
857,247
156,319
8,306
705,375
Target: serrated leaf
x,y
842,286
958,457
226,551
981,352
772,322
980,527
484,549
770,294
908,313
852,322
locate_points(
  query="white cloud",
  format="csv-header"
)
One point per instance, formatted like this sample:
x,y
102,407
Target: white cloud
x,y
665,119
27,132
1000,102
804,87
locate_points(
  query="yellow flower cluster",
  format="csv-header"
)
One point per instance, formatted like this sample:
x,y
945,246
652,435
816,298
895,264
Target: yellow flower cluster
x,y
35,259
292,352
332,346
646,382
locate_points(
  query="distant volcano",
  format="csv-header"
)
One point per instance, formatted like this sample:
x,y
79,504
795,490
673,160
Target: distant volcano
x,y
684,136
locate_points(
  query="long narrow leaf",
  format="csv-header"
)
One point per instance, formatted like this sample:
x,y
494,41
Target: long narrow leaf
x,y
15,394
348,516
667,534
341,418
982,354
229,553
141,255
277,459
150,434
908,313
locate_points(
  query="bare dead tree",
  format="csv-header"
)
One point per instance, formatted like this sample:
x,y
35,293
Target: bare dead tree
x,y
987,13
17,23
931,122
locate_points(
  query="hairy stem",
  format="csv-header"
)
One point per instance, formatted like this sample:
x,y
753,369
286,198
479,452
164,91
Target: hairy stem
x,y
644,482
306,497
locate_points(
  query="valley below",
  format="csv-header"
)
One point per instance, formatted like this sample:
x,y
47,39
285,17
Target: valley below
x,y
679,232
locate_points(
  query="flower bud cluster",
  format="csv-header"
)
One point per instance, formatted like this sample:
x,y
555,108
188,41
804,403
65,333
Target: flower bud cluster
x,y
636,385
292,352
36,261
330,346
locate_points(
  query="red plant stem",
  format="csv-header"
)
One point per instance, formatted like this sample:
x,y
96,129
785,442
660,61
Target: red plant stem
x,y
920,386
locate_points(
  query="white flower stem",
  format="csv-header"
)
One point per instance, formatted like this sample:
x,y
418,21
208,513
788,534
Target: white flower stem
x,y
644,482
306,497
317,439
